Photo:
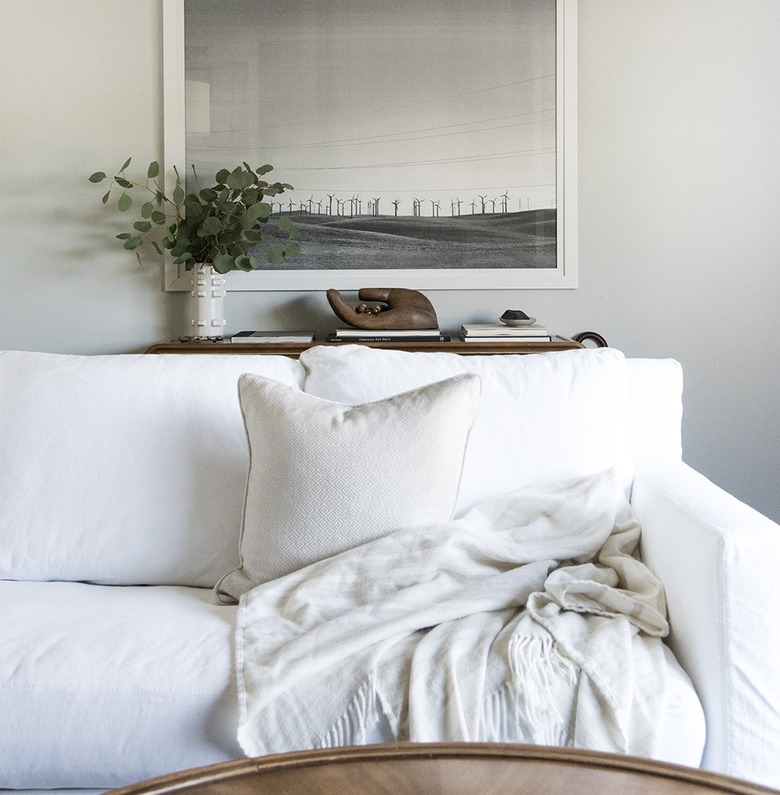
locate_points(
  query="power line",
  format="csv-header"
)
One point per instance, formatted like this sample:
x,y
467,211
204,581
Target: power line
x,y
435,162
390,138
389,108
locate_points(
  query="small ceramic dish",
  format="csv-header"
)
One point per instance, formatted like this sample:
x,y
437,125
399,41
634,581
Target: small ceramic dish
x,y
514,317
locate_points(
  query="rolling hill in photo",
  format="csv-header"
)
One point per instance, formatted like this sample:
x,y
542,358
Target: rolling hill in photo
x,y
483,240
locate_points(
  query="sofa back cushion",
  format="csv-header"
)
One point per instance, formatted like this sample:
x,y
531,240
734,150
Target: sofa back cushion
x,y
655,391
540,418
124,469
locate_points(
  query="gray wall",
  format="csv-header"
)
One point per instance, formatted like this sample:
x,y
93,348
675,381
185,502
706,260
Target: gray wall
x,y
679,191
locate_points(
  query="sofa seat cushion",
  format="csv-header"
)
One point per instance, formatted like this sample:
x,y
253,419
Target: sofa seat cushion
x,y
125,469
101,686
540,418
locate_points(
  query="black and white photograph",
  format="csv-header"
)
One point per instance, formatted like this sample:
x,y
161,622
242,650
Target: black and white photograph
x,y
421,138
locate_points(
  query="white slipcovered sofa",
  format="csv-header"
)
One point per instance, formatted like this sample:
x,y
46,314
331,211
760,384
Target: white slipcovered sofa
x,y
123,484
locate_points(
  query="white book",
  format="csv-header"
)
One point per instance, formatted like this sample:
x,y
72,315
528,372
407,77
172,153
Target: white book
x,y
387,332
506,338
502,330
273,336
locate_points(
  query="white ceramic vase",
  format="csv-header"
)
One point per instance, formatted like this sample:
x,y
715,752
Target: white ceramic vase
x,y
208,299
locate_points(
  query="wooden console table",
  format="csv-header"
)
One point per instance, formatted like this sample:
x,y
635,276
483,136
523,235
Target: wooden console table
x,y
296,349
444,769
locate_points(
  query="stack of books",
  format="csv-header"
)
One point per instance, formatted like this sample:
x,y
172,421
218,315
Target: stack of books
x,y
387,335
273,336
499,332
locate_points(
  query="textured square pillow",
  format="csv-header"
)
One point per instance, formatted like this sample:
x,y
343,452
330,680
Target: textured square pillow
x,y
325,477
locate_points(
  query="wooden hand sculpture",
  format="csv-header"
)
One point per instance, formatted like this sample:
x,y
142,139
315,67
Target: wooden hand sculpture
x,y
398,308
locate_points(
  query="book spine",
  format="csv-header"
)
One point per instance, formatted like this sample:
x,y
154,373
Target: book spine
x,y
390,338
272,340
502,333
507,339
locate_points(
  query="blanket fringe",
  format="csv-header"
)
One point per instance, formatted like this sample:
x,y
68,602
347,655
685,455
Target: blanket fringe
x,y
352,726
525,709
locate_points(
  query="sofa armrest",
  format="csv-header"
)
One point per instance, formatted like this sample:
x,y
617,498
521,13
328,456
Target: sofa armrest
x,y
717,559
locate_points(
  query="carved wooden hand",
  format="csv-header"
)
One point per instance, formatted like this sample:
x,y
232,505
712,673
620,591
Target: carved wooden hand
x,y
401,309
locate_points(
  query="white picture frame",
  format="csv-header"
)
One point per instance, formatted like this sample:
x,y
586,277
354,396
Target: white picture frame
x,y
564,274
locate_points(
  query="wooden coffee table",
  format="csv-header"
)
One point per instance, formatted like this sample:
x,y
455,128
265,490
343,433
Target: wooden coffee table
x,y
443,769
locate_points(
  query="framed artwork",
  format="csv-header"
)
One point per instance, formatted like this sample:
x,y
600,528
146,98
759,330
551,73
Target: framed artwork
x,y
432,144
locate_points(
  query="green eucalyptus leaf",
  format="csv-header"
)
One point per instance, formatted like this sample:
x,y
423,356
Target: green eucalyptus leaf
x,y
156,247
98,176
124,236
275,255
178,195
195,211
106,197
264,169
285,225
253,214
222,176
239,179
223,263
142,226
153,170
126,164
208,194
124,183
244,263
124,203
158,217
292,250
210,227
132,243
147,208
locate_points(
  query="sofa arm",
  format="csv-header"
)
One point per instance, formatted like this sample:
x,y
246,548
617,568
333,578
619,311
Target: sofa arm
x,y
717,559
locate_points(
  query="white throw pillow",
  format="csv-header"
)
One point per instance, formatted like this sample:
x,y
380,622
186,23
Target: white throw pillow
x,y
541,417
325,477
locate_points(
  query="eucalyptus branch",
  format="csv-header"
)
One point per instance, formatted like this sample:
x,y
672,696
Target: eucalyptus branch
x,y
219,225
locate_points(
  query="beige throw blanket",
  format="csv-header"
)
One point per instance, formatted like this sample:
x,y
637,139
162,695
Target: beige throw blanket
x,y
528,620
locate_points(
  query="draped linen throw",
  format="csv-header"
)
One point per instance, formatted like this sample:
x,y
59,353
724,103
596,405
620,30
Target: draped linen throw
x,y
530,620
